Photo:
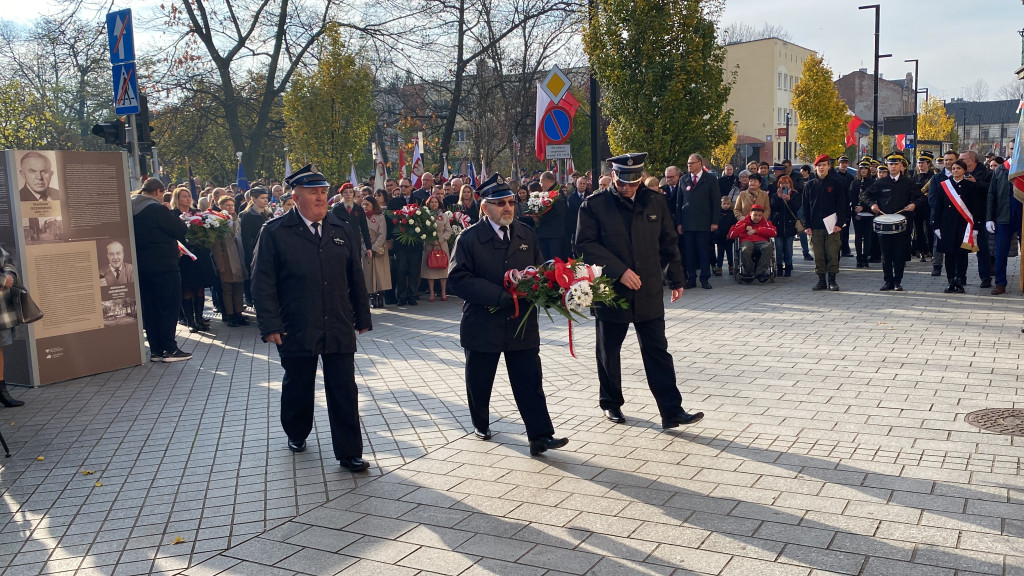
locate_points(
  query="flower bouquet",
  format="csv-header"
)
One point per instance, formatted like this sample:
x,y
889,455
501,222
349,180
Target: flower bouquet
x,y
565,287
459,222
413,224
540,203
206,228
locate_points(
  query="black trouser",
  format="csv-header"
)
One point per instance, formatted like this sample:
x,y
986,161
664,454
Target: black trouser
x,y
161,302
895,248
922,230
698,255
297,395
407,272
956,266
862,228
661,373
524,374
844,241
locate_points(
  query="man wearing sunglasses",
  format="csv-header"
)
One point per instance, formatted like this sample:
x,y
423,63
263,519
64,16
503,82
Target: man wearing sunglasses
x,y
628,229
483,253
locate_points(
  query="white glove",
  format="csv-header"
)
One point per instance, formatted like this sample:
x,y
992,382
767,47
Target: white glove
x,y
990,226
938,234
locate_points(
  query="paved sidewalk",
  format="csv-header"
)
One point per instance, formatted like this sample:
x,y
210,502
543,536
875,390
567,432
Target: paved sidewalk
x,y
834,443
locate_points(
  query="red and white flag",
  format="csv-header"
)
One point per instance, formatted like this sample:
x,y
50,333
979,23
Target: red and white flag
x,y
901,142
970,236
401,162
483,169
417,161
544,105
851,130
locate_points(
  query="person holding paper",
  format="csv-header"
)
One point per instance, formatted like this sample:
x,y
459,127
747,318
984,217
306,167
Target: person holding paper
x,y
894,194
827,210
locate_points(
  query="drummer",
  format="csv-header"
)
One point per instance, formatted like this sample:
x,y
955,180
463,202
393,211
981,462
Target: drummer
x,y
894,193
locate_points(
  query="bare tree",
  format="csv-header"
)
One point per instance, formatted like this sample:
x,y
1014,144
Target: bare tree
x,y
740,32
1012,90
976,92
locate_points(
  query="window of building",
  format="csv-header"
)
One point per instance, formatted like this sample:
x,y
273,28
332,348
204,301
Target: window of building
x,y
780,80
460,136
984,134
1002,132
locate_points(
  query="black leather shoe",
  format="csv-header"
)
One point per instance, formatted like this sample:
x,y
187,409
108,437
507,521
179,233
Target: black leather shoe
x,y
682,418
615,415
705,285
356,464
411,303
6,399
545,444
482,434
950,289
690,285
936,271
297,445
887,286
898,287
985,284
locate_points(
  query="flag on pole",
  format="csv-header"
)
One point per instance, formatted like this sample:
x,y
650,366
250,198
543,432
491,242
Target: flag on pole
x,y
483,168
444,160
544,105
554,168
1016,175
287,165
240,179
380,173
352,175
472,175
851,130
192,182
901,142
416,172
401,163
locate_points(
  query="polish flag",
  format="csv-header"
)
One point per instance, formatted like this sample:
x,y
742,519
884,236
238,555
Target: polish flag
x,y
544,104
851,130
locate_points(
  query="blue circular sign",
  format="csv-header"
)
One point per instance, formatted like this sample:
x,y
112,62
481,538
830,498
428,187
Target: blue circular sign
x,y
557,124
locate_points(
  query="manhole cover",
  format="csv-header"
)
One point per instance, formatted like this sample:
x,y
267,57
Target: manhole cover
x,y
999,420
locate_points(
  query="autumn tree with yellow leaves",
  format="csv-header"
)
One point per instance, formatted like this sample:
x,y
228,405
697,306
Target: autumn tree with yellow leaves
x,y
724,152
822,113
932,121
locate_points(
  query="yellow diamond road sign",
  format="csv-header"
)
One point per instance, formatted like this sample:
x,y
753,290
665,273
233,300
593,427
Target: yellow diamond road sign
x,y
556,84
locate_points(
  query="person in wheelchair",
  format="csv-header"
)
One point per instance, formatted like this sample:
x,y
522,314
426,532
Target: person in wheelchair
x,y
754,233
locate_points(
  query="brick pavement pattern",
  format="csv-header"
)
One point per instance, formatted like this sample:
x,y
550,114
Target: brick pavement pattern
x,y
834,443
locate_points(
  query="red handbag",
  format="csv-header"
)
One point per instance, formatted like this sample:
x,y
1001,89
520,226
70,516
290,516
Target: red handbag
x,y
437,259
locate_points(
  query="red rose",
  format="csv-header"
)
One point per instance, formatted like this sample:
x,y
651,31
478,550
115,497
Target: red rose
x,y
536,286
551,285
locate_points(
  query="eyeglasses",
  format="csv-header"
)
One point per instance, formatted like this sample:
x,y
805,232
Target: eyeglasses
x,y
406,186
501,203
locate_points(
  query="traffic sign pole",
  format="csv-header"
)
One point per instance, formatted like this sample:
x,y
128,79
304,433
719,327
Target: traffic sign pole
x,y
134,164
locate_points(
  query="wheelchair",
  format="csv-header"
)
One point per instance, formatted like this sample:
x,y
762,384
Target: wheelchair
x,y
738,270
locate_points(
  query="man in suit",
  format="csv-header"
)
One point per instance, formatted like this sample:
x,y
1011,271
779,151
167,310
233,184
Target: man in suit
x,y
407,258
425,190
627,228
118,272
476,272
698,206
550,227
36,172
351,212
573,201
311,300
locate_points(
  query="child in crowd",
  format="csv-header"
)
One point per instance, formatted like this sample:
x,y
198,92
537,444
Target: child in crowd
x,y
725,221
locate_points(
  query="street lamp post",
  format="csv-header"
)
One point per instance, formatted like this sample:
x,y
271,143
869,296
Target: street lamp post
x,y
874,109
595,113
914,60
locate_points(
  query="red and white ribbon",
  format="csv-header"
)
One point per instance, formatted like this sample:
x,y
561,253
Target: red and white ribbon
x,y
970,236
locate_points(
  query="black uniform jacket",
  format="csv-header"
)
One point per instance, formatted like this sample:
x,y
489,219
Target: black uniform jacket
x,y
946,218
823,197
476,272
647,245
893,195
356,218
311,292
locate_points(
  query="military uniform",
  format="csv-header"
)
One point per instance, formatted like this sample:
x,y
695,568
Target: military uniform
x,y
892,195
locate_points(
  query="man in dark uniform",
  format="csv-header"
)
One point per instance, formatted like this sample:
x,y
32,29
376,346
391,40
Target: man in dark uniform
x,y
476,272
922,216
892,194
825,197
843,175
310,301
627,228
350,211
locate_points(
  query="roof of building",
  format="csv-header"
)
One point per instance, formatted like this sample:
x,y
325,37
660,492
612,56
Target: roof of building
x,y
727,44
991,112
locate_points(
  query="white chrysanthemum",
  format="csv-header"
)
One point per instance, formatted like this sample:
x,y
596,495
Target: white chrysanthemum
x,y
579,297
419,213
423,237
418,230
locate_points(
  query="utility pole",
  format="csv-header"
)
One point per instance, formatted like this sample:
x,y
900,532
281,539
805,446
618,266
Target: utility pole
x,y
874,108
595,112
914,60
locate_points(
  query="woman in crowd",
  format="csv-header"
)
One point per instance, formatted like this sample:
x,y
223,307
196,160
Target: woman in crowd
x,y
753,195
381,198
444,232
785,201
863,219
287,203
727,180
195,275
522,197
742,181
467,204
228,259
951,227
377,265
9,318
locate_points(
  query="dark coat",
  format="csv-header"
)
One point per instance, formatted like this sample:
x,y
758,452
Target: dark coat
x,y
823,197
636,235
572,215
251,222
935,192
726,220
157,233
552,223
200,272
356,217
311,293
697,206
847,179
476,271
858,187
1000,197
725,184
893,195
947,219
28,196
783,213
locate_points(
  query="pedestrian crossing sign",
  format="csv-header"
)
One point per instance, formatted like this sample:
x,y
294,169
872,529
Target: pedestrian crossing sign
x,y
126,88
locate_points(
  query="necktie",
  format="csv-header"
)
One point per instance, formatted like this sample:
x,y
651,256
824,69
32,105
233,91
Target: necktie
x,y
117,274
43,196
504,233
316,229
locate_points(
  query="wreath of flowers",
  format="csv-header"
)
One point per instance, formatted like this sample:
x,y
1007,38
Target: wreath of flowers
x,y
413,225
206,228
